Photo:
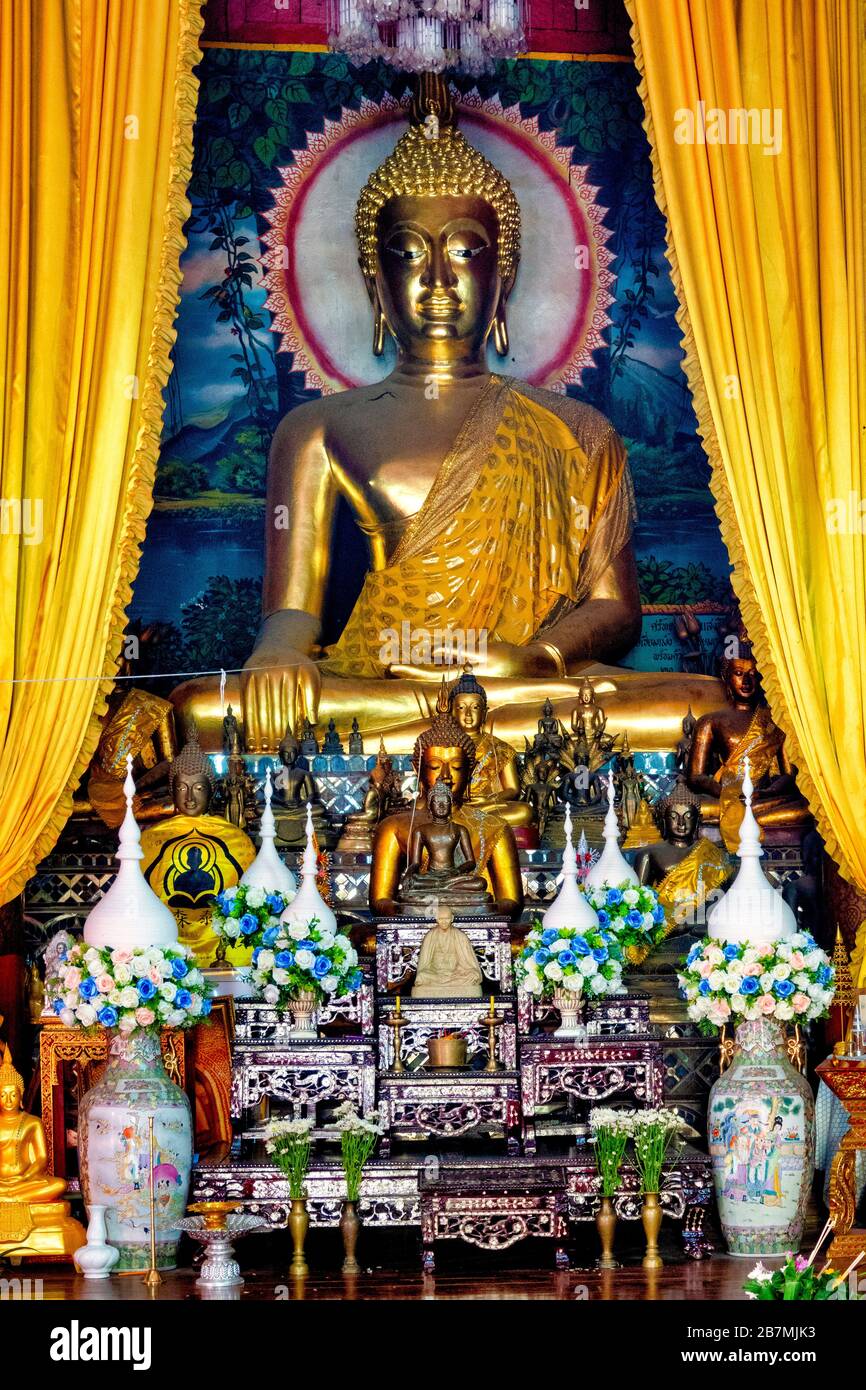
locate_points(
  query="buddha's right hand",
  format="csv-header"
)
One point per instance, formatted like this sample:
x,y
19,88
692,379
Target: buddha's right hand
x,y
280,688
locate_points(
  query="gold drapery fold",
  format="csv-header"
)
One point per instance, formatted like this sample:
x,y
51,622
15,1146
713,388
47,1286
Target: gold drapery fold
x,y
97,100
767,252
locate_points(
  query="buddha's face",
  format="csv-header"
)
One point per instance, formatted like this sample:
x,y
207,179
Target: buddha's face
x,y
448,765
438,278
10,1099
439,801
681,823
191,793
742,680
468,710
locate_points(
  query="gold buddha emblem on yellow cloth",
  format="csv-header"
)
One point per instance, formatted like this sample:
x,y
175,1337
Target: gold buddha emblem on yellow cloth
x,y
187,861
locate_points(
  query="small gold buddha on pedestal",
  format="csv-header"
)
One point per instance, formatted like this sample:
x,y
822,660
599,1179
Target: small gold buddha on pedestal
x,y
383,794
433,873
35,1222
444,753
448,967
720,743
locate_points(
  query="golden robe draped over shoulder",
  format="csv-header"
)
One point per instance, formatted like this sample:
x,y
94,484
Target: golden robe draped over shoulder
x,y
519,523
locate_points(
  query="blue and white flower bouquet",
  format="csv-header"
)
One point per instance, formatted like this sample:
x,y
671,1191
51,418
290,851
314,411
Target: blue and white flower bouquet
x,y
127,991
295,958
585,962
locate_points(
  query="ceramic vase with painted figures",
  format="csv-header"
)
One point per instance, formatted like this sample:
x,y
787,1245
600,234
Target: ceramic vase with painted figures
x,y
762,1143
114,1151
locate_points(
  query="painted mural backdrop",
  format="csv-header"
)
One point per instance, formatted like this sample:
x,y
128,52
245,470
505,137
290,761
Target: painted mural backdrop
x,y
268,119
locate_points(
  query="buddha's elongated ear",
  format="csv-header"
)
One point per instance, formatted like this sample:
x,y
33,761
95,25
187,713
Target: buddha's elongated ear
x,y
380,325
500,328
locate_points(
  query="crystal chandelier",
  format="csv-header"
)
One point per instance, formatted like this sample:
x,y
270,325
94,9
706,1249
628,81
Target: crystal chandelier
x,y
429,35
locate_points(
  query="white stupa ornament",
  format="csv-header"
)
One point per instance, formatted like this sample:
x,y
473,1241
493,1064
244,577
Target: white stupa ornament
x,y
570,907
308,902
752,910
611,869
130,915
267,870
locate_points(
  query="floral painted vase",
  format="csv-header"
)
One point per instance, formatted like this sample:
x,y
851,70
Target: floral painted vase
x,y
113,1138
762,1143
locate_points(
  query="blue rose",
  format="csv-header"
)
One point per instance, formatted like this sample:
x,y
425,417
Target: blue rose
x,y
276,902
783,988
58,1006
87,988
693,953
322,967
732,952
704,987
355,980
749,985
607,937
548,936
614,897
542,955
603,917
825,975
307,946
633,919
284,960
567,958
248,924
206,1006
270,936
224,903
146,989
658,915
182,999
108,1017
179,968
580,945
600,954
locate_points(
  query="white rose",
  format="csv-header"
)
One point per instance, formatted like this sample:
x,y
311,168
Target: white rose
x,y
305,960
298,930
587,966
255,897
329,984
138,966
717,979
784,1010
797,941
737,967
783,950
553,970
86,1015
280,977
122,974
532,984
67,1018
114,998
175,1017
193,977
127,1023
129,997
814,960
265,960
781,971
714,955
766,981
801,980
168,990
560,945
738,1003
630,896
194,1006
574,982
326,940
342,942
648,921
270,994
231,929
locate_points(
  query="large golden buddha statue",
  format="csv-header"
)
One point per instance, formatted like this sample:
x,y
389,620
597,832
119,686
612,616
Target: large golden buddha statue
x,y
34,1220
491,509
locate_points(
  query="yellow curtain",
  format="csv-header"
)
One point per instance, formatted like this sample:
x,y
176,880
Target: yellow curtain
x,y
97,99
765,235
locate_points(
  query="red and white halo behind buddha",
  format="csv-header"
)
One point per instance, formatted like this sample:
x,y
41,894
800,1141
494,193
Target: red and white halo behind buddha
x,y
557,311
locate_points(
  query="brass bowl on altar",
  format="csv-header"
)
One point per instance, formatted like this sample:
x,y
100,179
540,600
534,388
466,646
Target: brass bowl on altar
x,y
447,1052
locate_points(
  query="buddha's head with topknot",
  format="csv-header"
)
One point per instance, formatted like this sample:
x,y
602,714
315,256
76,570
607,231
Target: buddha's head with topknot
x,y
444,752
438,231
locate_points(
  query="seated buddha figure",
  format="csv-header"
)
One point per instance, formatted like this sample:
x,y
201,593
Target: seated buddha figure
x,y
192,855
295,788
486,505
447,964
433,871
722,740
682,866
495,782
444,753
34,1220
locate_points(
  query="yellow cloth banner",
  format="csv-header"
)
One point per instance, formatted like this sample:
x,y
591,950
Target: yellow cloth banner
x,y
755,115
97,99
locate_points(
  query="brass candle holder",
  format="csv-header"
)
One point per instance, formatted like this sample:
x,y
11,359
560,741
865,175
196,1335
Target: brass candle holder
x,y
491,1021
152,1278
396,1021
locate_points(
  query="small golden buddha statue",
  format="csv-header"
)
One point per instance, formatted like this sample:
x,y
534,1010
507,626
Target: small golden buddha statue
x,y
682,866
194,855
433,872
34,1220
294,787
383,794
643,829
448,967
486,504
445,753
495,783
720,743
